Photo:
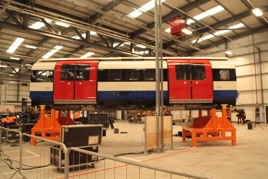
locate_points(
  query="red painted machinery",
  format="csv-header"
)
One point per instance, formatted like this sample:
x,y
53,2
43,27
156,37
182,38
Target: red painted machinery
x,y
177,24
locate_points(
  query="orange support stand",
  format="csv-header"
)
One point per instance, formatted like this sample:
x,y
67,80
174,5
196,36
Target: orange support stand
x,y
49,127
210,127
65,120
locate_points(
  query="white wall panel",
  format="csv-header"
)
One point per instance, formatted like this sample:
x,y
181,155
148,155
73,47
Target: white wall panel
x,y
248,83
265,96
245,70
264,66
241,60
14,92
265,81
246,98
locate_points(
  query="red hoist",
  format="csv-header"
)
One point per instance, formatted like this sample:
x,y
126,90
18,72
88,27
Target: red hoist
x,y
177,24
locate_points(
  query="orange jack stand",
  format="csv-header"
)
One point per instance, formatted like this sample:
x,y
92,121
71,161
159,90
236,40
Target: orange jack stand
x,y
49,128
210,127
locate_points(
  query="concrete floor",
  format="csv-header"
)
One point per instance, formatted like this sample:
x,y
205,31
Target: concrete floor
x,y
219,159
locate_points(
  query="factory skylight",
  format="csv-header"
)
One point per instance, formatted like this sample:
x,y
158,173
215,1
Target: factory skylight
x,y
15,45
54,50
146,7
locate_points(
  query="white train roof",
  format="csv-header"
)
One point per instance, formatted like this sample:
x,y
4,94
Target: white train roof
x,y
137,58
129,65
44,66
222,64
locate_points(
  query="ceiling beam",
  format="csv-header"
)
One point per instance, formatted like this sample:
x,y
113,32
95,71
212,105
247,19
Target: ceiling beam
x,y
261,19
217,25
110,6
60,37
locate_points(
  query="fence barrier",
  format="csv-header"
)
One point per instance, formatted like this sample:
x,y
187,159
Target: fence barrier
x,y
50,159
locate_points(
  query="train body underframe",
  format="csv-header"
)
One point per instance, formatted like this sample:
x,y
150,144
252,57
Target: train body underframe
x,y
131,105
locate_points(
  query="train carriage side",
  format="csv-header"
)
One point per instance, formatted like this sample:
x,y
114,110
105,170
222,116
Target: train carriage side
x,y
190,81
124,83
41,86
224,82
75,82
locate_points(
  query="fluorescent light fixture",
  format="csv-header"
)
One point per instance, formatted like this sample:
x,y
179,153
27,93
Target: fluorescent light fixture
x,y
84,35
77,37
186,31
15,45
28,65
115,44
14,58
88,54
142,52
219,32
204,38
135,14
237,26
30,46
149,5
50,53
3,66
257,12
16,70
200,16
209,12
93,33
168,30
62,24
215,10
146,7
127,43
141,46
39,24
228,52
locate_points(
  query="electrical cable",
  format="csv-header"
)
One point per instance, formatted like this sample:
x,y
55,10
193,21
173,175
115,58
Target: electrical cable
x,y
130,153
11,162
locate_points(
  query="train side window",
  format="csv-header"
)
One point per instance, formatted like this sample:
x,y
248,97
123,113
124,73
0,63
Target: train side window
x,y
232,75
114,75
149,75
33,76
224,75
67,72
82,72
182,72
42,76
102,75
132,75
198,72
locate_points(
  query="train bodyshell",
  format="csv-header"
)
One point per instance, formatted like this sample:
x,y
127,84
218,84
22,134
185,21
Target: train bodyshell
x,y
116,83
